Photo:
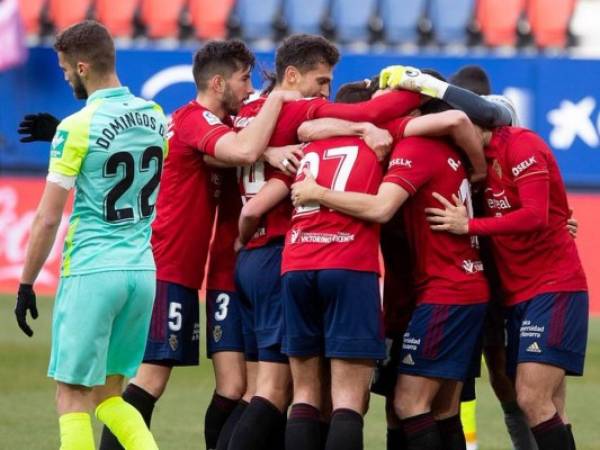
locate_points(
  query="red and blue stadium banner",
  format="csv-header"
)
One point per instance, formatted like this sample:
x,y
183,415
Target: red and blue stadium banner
x,y
19,198
557,97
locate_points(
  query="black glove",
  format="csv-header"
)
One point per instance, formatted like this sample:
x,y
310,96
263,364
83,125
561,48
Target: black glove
x,y
38,127
25,301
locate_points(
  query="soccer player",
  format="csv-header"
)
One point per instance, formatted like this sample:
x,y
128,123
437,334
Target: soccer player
x,y
185,209
540,271
449,286
112,151
303,63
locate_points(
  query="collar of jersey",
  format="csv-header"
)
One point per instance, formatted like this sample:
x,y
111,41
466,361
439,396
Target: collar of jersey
x,y
107,93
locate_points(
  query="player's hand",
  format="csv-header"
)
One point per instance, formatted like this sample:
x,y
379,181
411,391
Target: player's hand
x,y
454,219
412,79
25,301
307,190
572,226
38,127
286,95
380,141
287,158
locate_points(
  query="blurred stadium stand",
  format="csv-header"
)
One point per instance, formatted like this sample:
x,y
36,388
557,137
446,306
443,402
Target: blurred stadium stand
x,y
541,24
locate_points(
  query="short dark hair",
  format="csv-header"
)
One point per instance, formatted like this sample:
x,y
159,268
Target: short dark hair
x,y
88,41
472,78
305,52
357,91
220,58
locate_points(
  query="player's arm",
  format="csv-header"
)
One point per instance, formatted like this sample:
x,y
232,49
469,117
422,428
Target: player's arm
x,y
374,208
269,195
286,158
481,111
378,140
457,125
248,145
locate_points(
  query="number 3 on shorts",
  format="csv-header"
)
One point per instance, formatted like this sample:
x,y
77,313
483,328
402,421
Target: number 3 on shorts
x,y
175,318
222,303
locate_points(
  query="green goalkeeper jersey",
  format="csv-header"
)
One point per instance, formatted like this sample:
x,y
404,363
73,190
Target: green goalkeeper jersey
x,y
114,147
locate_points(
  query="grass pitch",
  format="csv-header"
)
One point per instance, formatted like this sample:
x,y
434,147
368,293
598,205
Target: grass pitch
x,y
28,420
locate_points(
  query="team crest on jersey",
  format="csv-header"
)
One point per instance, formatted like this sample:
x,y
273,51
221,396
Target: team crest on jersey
x,y
210,118
497,168
58,143
217,333
173,342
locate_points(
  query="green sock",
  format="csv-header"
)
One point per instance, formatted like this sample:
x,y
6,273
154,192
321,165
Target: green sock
x,y
76,431
126,423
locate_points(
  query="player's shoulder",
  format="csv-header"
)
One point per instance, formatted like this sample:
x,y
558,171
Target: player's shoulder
x,y
194,114
80,120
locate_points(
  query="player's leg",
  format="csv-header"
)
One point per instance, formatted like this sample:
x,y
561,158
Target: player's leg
x,y
225,347
446,411
468,413
353,342
126,351
302,314
560,401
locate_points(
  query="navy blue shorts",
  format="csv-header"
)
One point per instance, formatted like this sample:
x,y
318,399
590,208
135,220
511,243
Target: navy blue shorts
x,y
549,329
223,322
174,337
258,279
441,340
336,313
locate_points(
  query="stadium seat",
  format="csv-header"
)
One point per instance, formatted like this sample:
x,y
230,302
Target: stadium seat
x,y
400,23
450,19
549,20
351,19
256,18
209,17
162,18
498,20
304,16
63,13
31,11
117,16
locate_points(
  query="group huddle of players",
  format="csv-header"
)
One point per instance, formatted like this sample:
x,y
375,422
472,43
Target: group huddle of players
x,y
288,200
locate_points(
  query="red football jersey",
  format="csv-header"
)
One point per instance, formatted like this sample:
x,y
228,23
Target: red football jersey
x,y
221,263
321,238
186,201
536,262
446,268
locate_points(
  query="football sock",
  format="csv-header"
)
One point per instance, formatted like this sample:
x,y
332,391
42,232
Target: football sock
x,y
76,431
303,431
126,423
324,428
422,433
396,439
345,430
256,426
230,425
141,400
277,441
468,417
451,432
551,434
216,415
571,437
518,429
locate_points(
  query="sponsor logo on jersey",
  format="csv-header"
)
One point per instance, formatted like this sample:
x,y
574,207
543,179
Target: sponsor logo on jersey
x,y
402,162
534,348
173,342
320,238
210,118
58,143
454,164
523,165
408,360
499,203
217,333
470,266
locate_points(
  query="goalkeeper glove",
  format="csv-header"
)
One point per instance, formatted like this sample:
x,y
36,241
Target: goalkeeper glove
x,y
25,301
412,79
38,127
